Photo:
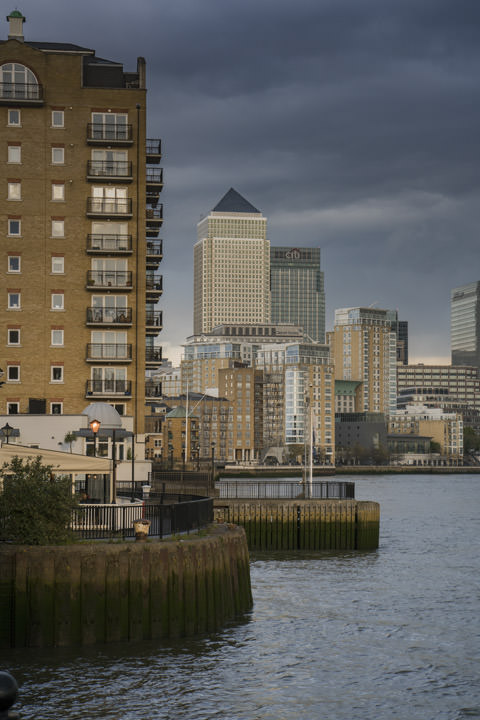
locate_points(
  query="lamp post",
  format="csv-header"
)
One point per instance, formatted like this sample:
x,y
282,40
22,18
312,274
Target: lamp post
x,y
7,431
213,464
94,427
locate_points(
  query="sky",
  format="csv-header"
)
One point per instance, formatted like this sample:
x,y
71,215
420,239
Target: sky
x,y
353,126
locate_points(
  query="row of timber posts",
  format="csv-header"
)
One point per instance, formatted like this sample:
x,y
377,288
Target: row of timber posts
x,y
304,524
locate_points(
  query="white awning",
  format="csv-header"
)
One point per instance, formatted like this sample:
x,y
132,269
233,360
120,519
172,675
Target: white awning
x,y
61,462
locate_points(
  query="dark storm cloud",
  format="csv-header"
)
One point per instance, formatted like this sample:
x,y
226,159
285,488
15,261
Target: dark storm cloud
x,y
351,125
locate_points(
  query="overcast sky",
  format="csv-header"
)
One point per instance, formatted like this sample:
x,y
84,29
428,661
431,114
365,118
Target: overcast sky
x,y
353,125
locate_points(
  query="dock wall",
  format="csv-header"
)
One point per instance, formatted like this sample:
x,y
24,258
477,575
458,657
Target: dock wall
x,y
304,524
101,593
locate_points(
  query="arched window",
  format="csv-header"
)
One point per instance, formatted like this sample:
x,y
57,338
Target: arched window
x,y
18,82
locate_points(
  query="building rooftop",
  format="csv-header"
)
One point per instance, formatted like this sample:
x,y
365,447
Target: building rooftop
x,y
233,202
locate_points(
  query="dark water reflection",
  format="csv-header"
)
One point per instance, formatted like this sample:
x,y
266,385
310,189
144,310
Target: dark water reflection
x,y
390,634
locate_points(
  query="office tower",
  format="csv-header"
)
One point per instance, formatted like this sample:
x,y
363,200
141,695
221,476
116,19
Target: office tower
x,y
231,266
297,289
465,325
78,276
365,349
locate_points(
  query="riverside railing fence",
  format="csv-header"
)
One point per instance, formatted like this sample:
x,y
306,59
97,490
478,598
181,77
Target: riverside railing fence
x,y
277,490
174,515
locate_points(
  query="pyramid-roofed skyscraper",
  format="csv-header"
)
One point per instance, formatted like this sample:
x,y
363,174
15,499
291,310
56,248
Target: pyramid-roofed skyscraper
x,y
231,266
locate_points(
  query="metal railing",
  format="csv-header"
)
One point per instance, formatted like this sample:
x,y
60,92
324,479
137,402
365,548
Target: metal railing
x,y
108,387
153,388
273,489
109,351
153,318
154,248
109,168
109,206
153,354
153,146
154,214
107,132
20,91
154,283
109,316
177,514
109,243
109,278
154,176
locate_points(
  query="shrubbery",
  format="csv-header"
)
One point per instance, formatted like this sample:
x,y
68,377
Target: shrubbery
x,y
35,505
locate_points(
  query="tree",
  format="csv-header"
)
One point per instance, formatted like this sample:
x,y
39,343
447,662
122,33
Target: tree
x,y
471,441
69,439
35,505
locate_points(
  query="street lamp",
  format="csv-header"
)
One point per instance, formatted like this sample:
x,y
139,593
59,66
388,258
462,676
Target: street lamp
x,y
94,427
213,463
7,431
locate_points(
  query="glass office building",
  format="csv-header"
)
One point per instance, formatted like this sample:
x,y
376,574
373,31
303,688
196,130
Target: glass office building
x,y
465,325
297,289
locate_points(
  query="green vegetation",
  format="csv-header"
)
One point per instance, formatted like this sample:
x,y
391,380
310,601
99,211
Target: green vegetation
x,y
69,439
471,440
35,505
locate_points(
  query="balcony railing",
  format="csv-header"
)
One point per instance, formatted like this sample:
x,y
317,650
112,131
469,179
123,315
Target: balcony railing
x,y
109,169
109,316
109,207
154,283
119,352
155,248
109,134
121,244
153,150
109,279
154,319
153,355
154,215
21,92
154,179
153,388
108,387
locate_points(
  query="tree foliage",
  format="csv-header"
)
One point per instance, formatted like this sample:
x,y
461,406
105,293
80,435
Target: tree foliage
x,y
35,505
471,440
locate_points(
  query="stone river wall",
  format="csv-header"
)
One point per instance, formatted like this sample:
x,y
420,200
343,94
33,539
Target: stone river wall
x,y
98,592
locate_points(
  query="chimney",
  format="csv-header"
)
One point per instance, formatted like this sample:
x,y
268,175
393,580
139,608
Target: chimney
x,y
16,21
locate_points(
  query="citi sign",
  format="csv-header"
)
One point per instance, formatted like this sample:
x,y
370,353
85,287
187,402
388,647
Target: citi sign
x,y
293,254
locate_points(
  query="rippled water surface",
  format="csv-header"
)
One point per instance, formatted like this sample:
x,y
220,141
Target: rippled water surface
x,y
389,634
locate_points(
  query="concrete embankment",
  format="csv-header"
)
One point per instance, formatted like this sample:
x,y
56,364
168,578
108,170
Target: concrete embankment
x,y
101,593
304,524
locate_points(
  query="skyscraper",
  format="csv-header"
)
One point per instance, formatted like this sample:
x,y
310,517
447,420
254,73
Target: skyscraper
x,y
231,266
297,289
465,325
78,274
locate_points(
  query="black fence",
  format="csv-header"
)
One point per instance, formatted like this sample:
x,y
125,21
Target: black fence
x,y
174,514
277,490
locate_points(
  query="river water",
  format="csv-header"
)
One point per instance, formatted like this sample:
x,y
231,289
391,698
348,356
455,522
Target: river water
x,y
373,636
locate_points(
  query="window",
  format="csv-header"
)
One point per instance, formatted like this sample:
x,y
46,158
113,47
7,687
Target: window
x,y
14,118
14,227
58,264
57,337
58,228
13,373
57,301
120,408
18,82
110,126
58,118
58,192
56,373
14,263
14,190
14,154
13,336
14,300
58,156
56,408
13,408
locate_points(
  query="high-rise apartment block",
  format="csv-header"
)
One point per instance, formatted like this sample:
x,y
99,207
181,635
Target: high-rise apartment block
x,y
365,349
465,325
231,266
297,289
80,218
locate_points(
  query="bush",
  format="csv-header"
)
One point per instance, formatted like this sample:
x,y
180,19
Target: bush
x,y
35,505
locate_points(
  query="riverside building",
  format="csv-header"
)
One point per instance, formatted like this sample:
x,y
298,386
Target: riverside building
x,y
465,325
231,266
80,219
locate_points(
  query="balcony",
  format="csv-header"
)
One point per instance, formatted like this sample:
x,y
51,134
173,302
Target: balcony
x,y
153,151
119,170
109,316
154,220
109,207
154,253
21,93
153,356
109,244
153,389
109,352
109,279
109,134
153,322
154,285
154,180
108,388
